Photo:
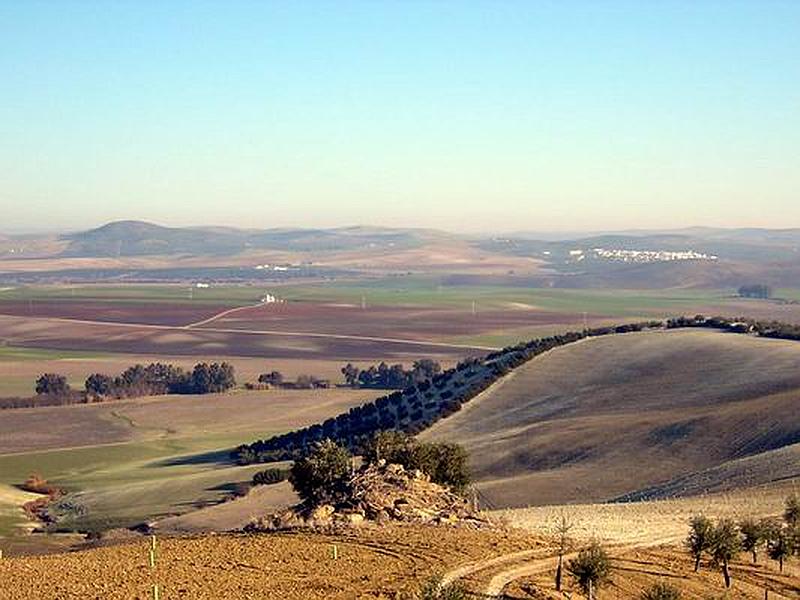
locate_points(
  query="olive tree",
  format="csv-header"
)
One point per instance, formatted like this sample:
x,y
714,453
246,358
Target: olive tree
x,y
699,539
590,569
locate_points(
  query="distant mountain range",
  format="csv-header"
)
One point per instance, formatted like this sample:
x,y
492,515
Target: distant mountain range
x,y
139,238
691,257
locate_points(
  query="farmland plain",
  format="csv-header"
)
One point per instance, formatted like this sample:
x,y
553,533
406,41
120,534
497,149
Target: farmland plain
x,y
126,461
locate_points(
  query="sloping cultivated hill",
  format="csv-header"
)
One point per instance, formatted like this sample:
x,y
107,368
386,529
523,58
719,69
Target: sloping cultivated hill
x,y
665,413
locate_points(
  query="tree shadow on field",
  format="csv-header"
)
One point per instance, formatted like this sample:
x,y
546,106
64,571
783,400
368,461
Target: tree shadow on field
x,y
215,457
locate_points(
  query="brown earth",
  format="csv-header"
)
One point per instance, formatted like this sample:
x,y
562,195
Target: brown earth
x,y
157,313
634,571
609,416
372,562
142,339
407,322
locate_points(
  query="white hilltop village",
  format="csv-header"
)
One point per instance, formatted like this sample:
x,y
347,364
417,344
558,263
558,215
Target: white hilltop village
x,y
641,256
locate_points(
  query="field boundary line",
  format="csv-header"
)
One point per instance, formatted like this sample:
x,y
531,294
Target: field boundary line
x,y
273,332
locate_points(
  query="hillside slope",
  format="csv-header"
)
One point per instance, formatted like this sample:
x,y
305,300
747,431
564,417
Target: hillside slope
x,y
611,416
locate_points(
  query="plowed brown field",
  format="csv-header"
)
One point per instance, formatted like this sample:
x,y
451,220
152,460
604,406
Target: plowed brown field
x,y
373,563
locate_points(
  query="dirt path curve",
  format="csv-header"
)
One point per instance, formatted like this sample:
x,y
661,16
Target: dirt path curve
x,y
526,563
221,315
499,582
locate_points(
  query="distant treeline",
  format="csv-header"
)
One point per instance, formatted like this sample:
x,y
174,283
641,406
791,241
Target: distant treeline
x,y
420,405
154,379
393,377
768,329
755,291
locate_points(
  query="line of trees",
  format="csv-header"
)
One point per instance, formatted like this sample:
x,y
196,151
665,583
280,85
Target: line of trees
x,y
394,377
418,406
723,541
302,382
755,291
53,389
159,378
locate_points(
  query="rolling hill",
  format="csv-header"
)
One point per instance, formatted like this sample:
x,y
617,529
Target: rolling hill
x,y
656,414
139,238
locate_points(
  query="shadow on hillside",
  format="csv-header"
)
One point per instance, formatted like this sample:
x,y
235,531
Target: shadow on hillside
x,y
216,457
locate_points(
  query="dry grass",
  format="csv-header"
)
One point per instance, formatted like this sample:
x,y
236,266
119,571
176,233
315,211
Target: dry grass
x,y
598,419
650,523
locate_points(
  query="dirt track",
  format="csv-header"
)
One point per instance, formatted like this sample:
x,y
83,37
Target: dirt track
x,y
374,563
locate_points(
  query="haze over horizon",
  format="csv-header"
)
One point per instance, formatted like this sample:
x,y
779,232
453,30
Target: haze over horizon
x,y
464,117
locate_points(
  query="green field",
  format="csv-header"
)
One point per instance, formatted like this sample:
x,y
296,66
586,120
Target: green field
x,y
16,353
124,484
156,456
414,291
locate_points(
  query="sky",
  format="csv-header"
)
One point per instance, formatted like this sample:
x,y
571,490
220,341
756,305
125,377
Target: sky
x,y
466,116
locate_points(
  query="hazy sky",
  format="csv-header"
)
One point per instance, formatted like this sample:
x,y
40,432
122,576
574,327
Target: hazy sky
x,y
460,115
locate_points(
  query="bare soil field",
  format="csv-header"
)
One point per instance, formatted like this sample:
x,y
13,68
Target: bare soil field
x,y
149,339
424,323
161,313
635,570
607,417
373,563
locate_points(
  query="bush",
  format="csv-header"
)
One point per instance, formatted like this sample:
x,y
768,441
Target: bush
x,y
270,476
433,589
590,569
444,463
52,384
700,536
324,475
661,591
395,447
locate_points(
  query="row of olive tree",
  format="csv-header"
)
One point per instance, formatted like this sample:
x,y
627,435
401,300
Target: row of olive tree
x,y
724,540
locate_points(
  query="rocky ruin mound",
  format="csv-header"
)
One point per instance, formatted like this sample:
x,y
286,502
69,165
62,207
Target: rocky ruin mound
x,y
383,493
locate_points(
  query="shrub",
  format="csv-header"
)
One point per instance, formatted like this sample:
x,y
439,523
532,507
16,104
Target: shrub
x,y
270,476
791,514
395,447
444,463
725,546
699,540
272,378
324,475
433,589
590,569
37,484
52,384
661,591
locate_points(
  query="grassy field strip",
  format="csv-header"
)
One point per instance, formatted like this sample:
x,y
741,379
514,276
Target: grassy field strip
x,y
131,481
422,292
12,518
